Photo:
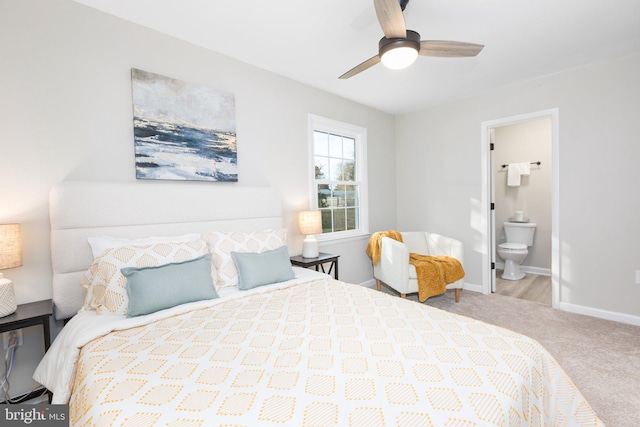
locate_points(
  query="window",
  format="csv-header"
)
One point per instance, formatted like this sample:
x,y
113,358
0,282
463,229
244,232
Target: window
x,y
339,174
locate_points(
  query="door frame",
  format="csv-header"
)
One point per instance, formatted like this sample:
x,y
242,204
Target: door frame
x,y
488,172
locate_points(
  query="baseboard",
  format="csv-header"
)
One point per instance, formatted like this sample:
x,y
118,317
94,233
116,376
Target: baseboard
x,y
369,283
602,314
528,269
536,270
472,287
572,308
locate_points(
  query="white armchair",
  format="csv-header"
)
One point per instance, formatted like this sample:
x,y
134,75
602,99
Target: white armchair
x,y
393,268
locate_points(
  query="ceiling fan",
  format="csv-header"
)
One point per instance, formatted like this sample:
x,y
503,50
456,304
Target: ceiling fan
x,y
400,47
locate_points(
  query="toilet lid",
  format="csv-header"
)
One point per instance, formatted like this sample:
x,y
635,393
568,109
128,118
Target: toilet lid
x,y
513,246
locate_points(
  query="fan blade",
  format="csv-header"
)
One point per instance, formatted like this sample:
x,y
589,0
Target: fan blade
x,y
449,48
391,19
360,68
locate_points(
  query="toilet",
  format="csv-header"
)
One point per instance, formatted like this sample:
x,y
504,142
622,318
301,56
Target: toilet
x,y
514,251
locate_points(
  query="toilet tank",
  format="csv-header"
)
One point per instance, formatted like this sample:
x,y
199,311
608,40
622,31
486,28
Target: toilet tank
x,y
520,232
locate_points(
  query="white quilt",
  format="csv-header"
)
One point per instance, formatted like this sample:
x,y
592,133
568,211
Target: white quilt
x,y
314,352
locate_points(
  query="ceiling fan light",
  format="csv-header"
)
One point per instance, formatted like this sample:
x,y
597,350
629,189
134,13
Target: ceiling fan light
x,y
399,57
399,52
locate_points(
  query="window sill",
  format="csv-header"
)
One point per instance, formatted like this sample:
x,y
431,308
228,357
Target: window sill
x,y
325,240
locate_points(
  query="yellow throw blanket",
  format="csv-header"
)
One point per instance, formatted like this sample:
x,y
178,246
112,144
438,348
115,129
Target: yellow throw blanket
x,y
434,272
375,243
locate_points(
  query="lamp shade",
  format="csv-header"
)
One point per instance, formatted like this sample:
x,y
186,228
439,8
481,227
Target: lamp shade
x,y
310,222
10,246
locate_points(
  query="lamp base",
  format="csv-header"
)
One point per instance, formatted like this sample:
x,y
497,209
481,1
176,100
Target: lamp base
x,y
7,298
310,247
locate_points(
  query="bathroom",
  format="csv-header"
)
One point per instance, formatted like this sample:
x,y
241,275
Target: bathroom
x,y
528,142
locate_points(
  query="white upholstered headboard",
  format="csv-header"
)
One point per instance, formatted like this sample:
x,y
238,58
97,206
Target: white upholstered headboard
x,y
81,209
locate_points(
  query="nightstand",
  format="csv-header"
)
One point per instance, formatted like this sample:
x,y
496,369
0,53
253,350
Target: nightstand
x,y
318,262
30,314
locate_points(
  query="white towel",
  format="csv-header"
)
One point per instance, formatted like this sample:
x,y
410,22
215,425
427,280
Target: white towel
x,y
515,171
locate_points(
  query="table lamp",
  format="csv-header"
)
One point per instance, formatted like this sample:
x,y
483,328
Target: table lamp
x,y
309,224
10,257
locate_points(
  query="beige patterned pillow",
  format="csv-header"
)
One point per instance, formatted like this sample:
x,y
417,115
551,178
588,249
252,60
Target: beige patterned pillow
x,y
221,244
107,287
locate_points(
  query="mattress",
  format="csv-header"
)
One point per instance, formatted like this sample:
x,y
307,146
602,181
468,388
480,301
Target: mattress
x,y
308,352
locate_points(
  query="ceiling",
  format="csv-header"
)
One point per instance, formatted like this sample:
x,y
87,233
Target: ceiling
x,y
314,42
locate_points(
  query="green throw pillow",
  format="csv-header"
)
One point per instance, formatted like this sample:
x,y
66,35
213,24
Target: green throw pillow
x,y
156,288
258,269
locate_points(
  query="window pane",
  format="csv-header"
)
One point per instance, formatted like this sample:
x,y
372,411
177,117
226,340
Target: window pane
x,y
351,195
348,171
339,196
327,223
321,143
335,169
324,195
352,218
322,167
349,148
335,146
339,220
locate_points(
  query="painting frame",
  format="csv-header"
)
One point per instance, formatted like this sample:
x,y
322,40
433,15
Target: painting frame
x,y
182,131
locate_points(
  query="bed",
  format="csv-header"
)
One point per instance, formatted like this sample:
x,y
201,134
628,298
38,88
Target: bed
x,y
306,350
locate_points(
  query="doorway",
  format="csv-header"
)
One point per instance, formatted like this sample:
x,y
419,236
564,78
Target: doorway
x,y
489,172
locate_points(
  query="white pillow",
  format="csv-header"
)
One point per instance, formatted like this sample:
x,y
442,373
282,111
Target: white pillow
x,y
102,243
221,244
106,285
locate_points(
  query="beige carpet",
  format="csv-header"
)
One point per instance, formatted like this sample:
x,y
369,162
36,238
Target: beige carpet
x,y
600,356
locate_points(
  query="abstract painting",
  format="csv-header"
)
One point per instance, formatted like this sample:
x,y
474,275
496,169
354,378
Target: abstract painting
x,y
182,131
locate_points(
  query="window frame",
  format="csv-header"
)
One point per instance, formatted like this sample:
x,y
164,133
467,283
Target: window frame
x,y
359,134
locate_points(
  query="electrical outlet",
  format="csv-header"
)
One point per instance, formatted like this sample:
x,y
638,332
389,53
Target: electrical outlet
x,y
6,337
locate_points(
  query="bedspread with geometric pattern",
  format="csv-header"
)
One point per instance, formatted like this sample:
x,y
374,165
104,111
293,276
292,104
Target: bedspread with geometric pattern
x,y
321,353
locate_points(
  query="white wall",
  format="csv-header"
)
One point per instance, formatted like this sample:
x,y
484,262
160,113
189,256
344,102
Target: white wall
x,y
439,177
528,141
66,112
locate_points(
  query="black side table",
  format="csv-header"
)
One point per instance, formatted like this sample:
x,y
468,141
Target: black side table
x,y
30,314
318,262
